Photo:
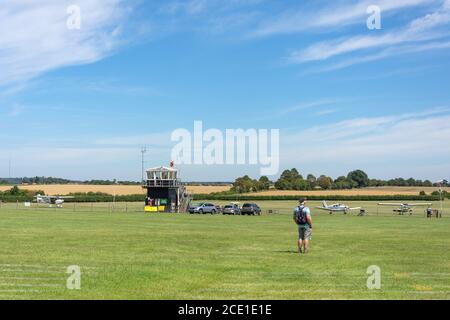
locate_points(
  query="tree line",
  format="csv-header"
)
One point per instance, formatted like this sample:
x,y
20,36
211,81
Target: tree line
x,y
293,180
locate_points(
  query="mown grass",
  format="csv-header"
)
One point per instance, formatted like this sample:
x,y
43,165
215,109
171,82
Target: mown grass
x,y
139,256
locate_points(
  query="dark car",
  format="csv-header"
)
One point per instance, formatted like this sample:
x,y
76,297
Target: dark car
x,y
251,209
232,209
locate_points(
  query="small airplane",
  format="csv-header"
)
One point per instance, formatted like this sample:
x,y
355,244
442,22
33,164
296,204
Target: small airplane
x,y
337,208
405,208
57,200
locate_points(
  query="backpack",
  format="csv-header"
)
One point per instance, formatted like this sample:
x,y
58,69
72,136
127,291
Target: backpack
x,y
300,216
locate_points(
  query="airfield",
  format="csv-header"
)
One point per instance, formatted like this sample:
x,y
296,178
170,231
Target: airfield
x,y
124,253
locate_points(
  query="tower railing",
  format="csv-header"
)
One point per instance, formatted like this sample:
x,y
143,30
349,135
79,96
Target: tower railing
x,y
162,183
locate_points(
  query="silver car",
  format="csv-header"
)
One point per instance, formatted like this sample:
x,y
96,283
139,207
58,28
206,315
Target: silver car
x,y
203,208
231,209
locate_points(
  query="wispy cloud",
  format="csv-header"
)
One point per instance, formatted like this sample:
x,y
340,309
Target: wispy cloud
x,y
39,40
325,112
358,127
210,16
419,32
156,140
341,14
405,49
308,105
383,144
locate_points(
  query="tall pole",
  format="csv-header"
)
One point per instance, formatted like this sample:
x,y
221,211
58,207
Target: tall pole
x,y
9,167
143,151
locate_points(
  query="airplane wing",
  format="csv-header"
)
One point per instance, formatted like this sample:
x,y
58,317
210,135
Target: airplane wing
x,y
419,204
357,208
323,208
391,204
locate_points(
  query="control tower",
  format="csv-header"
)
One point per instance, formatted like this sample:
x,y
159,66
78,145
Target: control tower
x,y
165,191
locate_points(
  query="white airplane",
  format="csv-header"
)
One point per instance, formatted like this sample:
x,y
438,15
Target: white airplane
x,y
57,200
404,208
337,208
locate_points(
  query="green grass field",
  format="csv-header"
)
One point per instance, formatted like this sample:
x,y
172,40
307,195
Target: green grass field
x,y
161,256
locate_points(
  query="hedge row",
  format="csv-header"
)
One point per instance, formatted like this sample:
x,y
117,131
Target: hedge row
x,y
82,198
210,197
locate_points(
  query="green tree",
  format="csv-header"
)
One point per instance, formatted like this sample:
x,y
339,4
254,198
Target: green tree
x,y
427,183
312,181
244,185
325,182
291,180
15,191
265,183
343,183
359,177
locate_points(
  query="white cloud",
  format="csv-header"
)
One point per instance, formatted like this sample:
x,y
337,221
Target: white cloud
x,y
422,29
325,112
155,139
405,49
308,105
383,144
340,15
35,38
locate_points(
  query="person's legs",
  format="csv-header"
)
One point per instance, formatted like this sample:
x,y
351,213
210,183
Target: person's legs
x,y
306,246
307,238
301,236
300,245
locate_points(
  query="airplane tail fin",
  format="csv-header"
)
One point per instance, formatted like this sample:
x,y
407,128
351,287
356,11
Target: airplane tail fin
x,y
324,204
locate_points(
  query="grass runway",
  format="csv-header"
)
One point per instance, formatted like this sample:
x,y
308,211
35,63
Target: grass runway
x,y
162,256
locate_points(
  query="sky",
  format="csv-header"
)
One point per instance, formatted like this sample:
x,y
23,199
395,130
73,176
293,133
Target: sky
x,y
80,102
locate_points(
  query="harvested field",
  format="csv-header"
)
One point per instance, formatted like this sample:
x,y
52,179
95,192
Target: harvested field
x,y
379,191
63,189
128,190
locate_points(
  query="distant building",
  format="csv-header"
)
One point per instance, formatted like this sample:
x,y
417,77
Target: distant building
x,y
165,191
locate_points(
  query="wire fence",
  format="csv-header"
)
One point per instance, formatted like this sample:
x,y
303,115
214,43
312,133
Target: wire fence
x,y
112,207
267,208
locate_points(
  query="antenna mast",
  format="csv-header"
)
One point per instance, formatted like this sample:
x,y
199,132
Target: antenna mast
x,y
9,167
143,152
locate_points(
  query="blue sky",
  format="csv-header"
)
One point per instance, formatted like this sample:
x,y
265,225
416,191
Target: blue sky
x,y
80,103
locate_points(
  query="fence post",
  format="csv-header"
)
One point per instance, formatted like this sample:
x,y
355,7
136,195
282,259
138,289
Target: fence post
x,y
17,204
126,207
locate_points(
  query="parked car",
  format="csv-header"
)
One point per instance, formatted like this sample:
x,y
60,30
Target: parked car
x,y
203,208
251,209
232,209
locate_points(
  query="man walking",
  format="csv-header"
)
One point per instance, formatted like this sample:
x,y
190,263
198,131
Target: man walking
x,y
302,217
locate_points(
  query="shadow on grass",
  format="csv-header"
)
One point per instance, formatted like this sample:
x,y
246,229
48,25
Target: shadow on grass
x,y
287,251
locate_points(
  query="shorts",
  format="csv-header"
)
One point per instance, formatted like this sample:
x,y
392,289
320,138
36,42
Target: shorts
x,y
304,233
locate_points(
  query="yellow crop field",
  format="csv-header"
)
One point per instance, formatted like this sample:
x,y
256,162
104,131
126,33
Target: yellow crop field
x,y
375,191
64,189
